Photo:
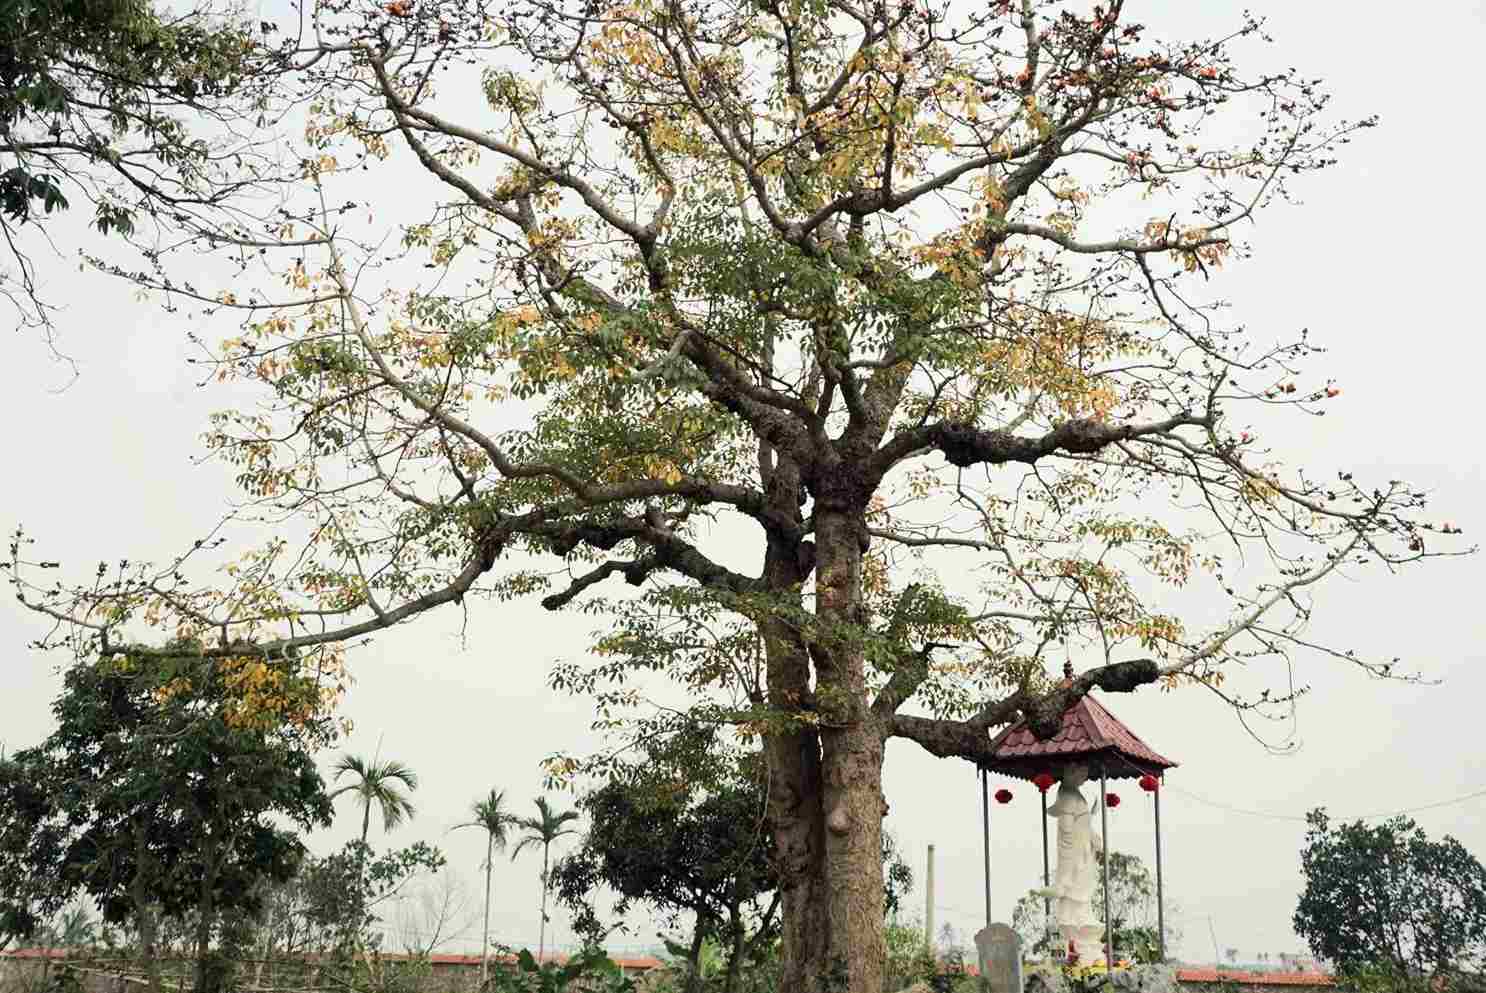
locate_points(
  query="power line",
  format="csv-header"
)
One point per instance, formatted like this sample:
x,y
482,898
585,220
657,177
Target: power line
x,y
1300,819
1292,817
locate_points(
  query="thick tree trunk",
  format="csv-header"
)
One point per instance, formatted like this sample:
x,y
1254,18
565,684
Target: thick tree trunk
x,y
694,960
795,814
735,951
144,911
826,785
852,761
832,911
209,977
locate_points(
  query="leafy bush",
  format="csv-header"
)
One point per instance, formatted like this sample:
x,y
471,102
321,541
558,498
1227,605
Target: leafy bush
x,y
591,971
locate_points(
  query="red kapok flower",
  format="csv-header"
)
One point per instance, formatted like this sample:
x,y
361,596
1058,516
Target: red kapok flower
x,y
1043,781
1149,783
1112,799
1003,796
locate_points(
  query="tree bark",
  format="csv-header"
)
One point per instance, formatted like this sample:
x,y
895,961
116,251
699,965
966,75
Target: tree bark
x,y
735,951
794,795
208,977
694,960
144,913
826,784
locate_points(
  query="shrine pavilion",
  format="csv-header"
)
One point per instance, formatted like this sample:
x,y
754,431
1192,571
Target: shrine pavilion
x,y
1092,737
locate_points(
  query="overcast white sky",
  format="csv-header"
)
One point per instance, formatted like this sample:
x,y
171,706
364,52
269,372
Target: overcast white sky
x,y
1377,263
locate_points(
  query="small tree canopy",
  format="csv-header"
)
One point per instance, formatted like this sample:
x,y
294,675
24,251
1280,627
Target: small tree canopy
x,y
676,847
1385,901
152,787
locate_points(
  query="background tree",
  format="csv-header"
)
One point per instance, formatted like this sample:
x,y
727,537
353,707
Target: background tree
x,y
311,929
1388,906
74,926
157,796
543,830
350,896
694,856
491,816
908,958
852,283
384,785
434,913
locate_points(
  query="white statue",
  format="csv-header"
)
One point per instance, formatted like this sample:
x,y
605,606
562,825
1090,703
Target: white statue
x,y
1079,852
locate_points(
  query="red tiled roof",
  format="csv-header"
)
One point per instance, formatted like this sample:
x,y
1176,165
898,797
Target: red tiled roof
x,y
634,963
638,963
1089,734
1254,978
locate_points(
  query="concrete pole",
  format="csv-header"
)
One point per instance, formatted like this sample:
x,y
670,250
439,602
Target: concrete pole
x,y
929,904
1104,846
985,834
1160,891
985,825
1047,878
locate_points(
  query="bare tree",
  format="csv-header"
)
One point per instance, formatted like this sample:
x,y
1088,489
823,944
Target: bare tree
x,y
434,912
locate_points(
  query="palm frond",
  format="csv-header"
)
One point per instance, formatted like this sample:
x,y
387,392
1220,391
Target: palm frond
x,y
491,816
377,783
545,828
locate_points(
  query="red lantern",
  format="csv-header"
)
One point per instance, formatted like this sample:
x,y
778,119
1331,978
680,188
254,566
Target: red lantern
x,y
1043,781
1150,783
1112,799
1003,796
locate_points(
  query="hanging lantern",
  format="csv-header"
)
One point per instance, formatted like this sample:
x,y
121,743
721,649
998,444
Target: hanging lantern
x,y
1043,781
1150,783
1003,796
1112,799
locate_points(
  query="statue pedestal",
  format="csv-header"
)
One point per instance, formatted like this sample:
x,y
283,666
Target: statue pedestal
x,y
1086,941
1137,979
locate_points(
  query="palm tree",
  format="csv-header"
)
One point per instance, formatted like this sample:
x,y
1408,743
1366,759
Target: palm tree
x,y
72,927
490,815
377,783
544,829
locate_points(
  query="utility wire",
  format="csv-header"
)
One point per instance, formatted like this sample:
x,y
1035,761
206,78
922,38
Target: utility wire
x,y
1364,817
1292,817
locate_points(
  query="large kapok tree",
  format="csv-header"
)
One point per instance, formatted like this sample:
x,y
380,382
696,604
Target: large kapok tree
x,y
881,280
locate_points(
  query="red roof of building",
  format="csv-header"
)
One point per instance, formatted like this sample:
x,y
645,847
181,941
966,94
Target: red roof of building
x,y
638,963
1254,978
634,963
1090,735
